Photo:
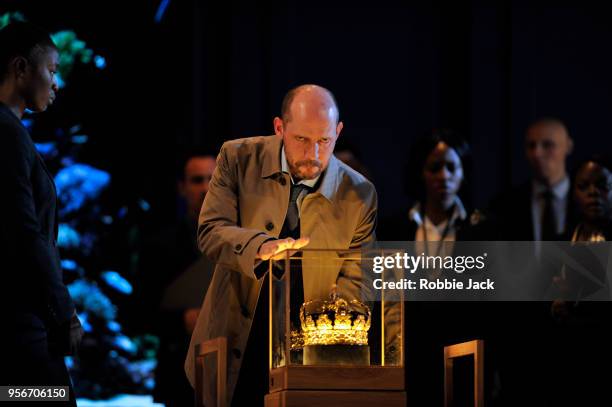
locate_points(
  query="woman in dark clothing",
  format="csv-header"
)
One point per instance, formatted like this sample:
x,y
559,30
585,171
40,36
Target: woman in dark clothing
x,y
593,197
436,177
40,325
580,337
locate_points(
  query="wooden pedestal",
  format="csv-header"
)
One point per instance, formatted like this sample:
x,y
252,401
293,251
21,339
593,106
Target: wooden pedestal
x,y
313,386
339,398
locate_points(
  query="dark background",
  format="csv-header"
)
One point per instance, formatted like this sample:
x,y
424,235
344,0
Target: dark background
x,y
212,71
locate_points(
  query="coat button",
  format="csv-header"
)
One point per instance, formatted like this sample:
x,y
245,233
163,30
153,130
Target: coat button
x,y
245,312
236,353
282,181
269,226
238,247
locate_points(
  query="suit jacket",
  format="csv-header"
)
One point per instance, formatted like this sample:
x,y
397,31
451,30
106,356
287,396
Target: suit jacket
x,y
33,296
246,206
513,216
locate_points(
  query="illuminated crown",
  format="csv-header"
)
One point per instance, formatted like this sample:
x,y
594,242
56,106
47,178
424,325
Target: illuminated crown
x,y
335,322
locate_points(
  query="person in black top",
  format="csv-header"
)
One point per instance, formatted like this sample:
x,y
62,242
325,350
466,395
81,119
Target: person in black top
x,y
592,195
39,323
436,176
169,262
579,337
539,210
439,164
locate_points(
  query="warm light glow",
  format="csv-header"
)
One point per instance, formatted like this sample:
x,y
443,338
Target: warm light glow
x,y
334,322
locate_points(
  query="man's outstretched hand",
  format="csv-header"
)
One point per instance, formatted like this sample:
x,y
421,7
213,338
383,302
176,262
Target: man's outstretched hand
x,y
271,249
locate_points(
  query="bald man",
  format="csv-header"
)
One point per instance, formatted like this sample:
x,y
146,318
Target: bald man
x,y
269,194
539,210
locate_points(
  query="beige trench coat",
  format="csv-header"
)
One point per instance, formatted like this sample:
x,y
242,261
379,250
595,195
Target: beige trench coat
x,y
245,206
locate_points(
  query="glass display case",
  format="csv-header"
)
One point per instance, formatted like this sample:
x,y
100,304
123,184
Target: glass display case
x,y
333,338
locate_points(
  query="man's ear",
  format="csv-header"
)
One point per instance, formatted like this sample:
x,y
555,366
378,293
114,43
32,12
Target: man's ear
x,y
339,128
278,127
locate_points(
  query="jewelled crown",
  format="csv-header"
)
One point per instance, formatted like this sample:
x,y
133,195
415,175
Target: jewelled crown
x,y
335,322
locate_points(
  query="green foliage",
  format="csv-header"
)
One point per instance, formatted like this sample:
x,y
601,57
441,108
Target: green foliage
x,y
10,17
71,49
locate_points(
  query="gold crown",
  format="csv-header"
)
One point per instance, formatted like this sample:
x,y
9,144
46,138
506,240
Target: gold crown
x,y
335,322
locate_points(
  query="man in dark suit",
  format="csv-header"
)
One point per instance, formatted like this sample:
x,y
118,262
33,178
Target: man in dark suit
x,y
539,209
39,323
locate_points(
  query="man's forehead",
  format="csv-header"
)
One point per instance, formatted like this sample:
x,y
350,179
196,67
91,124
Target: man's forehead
x,y
200,164
312,117
546,132
312,127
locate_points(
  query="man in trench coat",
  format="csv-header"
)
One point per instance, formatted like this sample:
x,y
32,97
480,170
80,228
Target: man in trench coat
x,y
244,213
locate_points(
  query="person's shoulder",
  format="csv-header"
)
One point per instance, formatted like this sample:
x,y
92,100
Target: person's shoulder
x,y
14,137
10,127
249,146
248,143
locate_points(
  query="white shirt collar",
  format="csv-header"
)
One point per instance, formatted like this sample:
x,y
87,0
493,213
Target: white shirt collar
x,y
285,168
559,190
458,213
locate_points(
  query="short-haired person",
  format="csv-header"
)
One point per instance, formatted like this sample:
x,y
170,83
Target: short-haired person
x,y
592,194
438,169
269,194
541,208
580,336
169,261
40,325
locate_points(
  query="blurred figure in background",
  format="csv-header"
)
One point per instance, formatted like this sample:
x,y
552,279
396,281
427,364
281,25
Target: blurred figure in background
x,y
439,164
592,193
540,208
436,177
173,278
580,334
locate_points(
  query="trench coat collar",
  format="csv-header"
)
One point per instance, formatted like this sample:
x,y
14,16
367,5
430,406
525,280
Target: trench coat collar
x,y
328,183
271,164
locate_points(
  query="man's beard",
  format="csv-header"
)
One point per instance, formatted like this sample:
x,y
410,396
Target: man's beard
x,y
300,174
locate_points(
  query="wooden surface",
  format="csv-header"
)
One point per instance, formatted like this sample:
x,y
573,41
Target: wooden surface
x,y
474,348
218,346
337,378
322,398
